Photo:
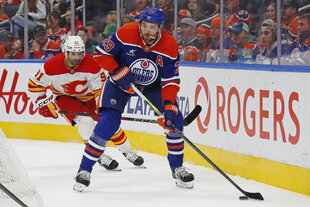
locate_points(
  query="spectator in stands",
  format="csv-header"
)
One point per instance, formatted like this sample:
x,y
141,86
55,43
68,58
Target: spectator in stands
x,y
236,13
7,44
268,37
271,12
183,13
301,46
204,41
100,26
166,6
195,7
43,47
18,49
290,20
213,55
78,23
110,29
127,19
36,16
55,32
188,45
89,46
4,17
245,49
141,5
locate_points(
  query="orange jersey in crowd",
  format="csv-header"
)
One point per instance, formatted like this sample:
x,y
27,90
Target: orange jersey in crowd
x,y
57,35
51,49
241,15
4,52
189,54
83,82
289,28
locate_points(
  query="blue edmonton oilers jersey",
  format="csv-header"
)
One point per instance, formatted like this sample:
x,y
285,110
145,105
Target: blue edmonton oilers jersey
x,y
148,64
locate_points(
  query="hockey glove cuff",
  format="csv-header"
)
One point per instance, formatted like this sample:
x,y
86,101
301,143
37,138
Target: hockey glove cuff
x,y
171,112
46,107
122,76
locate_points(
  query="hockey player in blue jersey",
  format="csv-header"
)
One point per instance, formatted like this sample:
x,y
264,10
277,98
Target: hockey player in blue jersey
x,y
144,54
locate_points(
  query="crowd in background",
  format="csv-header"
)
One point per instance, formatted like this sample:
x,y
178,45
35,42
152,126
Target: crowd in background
x,y
249,28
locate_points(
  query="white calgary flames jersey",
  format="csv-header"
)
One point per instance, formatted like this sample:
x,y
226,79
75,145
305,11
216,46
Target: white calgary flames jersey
x,y
83,82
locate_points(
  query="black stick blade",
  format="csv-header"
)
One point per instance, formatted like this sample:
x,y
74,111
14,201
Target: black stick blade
x,y
256,196
192,116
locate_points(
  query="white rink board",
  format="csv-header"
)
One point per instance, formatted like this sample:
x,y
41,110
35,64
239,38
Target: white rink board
x,y
207,86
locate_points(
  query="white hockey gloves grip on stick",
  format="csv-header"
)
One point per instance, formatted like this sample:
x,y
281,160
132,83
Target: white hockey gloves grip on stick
x,y
46,107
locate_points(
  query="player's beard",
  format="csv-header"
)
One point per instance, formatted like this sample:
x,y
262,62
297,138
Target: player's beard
x,y
149,39
73,62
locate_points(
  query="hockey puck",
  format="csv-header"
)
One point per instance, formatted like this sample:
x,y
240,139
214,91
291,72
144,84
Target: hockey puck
x,y
243,197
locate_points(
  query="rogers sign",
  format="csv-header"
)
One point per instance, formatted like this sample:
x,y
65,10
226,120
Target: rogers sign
x,y
225,111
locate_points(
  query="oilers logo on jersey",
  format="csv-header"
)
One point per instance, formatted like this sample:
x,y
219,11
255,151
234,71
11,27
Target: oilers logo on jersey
x,y
145,71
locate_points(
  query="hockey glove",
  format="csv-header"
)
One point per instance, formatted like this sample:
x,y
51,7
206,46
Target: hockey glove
x,y
170,114
123,77
46,107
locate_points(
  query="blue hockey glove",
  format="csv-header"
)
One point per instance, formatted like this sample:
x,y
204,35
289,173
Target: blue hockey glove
x,y
171,112
123,77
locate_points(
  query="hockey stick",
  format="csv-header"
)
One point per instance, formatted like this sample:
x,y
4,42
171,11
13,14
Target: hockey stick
x,y
257,196
187,120
10,194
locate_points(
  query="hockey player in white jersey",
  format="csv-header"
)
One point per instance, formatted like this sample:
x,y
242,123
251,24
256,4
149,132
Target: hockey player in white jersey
x,y
75,80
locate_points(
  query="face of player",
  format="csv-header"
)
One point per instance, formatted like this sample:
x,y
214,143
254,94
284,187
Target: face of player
x,y
271,12
266,37
74,58
303,28
239,38
83,35
149,32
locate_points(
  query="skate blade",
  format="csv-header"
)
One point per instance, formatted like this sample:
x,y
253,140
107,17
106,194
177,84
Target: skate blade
x,y
79,187
188,185
141,166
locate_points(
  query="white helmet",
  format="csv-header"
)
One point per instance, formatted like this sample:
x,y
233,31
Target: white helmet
x,y
74,44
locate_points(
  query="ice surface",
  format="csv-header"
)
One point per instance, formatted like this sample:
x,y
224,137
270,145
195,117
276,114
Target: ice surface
x,y
53,165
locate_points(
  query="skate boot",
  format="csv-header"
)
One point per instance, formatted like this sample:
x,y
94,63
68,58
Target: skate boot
x,y
134,158
183,178
82,180
107,162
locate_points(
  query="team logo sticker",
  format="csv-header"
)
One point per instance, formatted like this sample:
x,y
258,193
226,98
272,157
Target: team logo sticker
x,y
145,71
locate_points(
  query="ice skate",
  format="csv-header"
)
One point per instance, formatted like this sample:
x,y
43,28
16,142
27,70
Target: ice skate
x,y
82,180
134,158
183,178
108,162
